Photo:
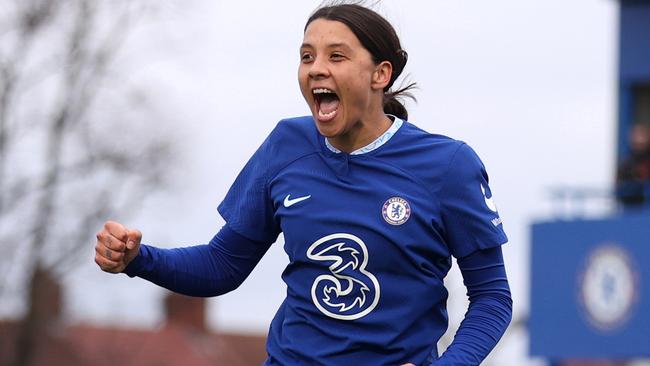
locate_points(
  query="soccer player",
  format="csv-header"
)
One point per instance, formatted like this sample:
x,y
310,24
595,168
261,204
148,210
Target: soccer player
x,y
372,208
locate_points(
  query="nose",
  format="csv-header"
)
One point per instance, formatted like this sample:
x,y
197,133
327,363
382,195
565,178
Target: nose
x,y
318,69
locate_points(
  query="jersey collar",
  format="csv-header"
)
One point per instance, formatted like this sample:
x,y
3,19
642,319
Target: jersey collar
x,y
397,123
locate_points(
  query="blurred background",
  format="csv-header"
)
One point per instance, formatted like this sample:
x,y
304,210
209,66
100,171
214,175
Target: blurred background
x,y
144,112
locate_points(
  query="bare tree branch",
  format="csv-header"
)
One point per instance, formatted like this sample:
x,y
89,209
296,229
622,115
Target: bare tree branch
x,y
31,18
56,54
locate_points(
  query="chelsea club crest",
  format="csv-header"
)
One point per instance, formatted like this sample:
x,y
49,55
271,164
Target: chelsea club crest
x,y
396,211
608,287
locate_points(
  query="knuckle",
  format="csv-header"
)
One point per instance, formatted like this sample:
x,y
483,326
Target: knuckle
x,y
102,263
107,265
114,244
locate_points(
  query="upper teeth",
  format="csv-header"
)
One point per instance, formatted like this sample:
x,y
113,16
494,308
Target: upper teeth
x,y
322,90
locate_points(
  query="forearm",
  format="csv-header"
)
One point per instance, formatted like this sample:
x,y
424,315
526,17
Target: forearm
x,y
489,312
202,270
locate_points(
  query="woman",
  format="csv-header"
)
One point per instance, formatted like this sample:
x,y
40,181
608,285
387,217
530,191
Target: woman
x,y
371,208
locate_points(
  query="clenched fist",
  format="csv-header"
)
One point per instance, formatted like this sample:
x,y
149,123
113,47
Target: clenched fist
x,y
116,247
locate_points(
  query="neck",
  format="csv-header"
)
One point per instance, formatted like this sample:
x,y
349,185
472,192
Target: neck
x,y
362,133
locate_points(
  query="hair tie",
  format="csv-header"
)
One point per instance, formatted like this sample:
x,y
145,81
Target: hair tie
x,y
404,54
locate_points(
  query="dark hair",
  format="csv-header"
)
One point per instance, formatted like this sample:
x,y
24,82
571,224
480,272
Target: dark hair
x,y
380,39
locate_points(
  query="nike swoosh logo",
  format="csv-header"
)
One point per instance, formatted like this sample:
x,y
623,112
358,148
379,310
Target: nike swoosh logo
x,y
489,202
288,202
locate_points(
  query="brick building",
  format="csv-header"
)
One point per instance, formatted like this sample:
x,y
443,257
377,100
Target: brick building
x,y
182,340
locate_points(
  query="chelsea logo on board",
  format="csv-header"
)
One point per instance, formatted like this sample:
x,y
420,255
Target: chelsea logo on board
x,y
396,211
609,287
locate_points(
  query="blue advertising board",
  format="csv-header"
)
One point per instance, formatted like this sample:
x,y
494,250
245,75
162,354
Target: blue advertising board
x,y
590,288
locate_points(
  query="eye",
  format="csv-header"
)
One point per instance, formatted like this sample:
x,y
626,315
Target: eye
x,y
337,57
306,57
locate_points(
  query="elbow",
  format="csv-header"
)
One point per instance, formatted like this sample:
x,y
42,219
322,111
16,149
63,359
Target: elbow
x,y
498,305
204,287
507,309
224,286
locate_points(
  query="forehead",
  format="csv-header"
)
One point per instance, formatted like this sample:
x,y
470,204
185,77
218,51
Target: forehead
x,y
324,32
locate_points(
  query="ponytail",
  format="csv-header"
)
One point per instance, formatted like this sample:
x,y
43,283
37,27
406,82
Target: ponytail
x,y
393,105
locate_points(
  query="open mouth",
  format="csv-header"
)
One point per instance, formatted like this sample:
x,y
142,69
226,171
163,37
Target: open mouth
x,y
327,103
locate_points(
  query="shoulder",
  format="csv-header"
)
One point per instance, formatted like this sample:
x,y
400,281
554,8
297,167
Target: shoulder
x,y
434,159
432,147
298,130
291,139
293,134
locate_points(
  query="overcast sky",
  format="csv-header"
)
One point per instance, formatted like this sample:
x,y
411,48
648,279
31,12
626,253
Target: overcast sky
x,y
529,84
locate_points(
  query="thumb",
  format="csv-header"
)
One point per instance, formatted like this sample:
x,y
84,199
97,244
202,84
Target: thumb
x,y
133,238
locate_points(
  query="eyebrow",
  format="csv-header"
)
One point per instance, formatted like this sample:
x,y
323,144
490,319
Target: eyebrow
x,y
331,45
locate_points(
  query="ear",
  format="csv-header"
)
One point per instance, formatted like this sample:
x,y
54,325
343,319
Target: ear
x,y
381,76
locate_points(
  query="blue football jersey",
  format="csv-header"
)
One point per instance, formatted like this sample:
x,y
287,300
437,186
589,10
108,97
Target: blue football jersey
x,y
369,238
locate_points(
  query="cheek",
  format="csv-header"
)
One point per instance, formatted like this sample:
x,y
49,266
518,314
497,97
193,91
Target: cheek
x,y
358,89
301,76
303,81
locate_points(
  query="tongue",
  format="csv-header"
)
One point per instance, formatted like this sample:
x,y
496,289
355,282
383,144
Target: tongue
x,y
329,105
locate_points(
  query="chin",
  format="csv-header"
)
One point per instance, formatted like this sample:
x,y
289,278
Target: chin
x,y
327,129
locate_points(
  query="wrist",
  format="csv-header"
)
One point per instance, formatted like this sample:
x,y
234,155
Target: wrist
x,y
136,265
